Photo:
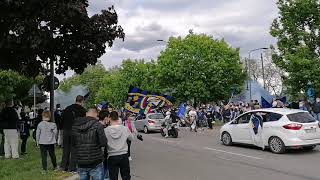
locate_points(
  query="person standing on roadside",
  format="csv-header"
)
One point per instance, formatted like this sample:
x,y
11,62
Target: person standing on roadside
x,y
130,125
118,159
88,139
24,126
72,112
46,138
58,121
2,105
316,109
104,120
11,136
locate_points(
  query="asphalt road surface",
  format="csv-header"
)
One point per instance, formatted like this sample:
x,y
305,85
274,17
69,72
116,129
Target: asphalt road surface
x,y
201,156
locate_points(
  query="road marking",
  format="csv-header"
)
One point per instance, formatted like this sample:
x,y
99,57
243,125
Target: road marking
x,y
219,157
242,155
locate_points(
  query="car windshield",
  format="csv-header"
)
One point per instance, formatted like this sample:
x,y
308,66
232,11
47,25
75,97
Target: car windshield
x,y
301,117
156,116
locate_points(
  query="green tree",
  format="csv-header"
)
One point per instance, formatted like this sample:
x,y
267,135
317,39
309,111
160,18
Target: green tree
x,y
33,33
297,30
14,86
91,78
201,68
137,73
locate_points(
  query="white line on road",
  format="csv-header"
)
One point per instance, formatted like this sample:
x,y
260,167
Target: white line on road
x,y
217,150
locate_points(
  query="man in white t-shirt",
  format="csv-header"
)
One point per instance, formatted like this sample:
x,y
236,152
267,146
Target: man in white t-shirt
x,y
193,119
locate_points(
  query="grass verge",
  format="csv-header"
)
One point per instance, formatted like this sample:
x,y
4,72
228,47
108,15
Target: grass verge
x,y
29,166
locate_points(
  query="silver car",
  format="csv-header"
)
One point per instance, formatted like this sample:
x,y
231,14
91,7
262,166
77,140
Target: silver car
x,y
149,122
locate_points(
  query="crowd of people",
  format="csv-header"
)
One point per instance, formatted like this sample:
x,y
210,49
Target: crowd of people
x,y
206,115
95,143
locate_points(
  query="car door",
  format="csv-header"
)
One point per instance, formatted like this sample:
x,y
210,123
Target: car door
x,y
139,123
240,129
256,128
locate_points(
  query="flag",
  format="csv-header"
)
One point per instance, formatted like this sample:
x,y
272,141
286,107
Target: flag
x,y
143,102
182,111
283,100
265,103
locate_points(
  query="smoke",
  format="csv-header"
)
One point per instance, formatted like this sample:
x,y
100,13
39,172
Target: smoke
x,y
68,98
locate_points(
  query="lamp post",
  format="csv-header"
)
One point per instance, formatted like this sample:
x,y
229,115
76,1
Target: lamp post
x,y
249,69
161,40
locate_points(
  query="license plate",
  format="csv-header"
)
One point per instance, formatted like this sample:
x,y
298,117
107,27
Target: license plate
x,y
311,130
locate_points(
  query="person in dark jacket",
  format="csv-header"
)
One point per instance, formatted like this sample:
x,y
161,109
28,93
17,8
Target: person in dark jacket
x,y
210,118
36,122
11,142
316,109
2,105
88,139
24,127
58,121
68,116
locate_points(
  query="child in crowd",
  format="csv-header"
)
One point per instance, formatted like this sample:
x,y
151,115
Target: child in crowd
x,y
46,139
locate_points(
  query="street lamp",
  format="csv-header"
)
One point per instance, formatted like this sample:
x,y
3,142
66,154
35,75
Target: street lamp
x,y
249,69
161,40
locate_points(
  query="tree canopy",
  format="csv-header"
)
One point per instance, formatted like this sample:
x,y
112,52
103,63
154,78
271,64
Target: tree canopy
x,y
91,78
297,30
14,85
196,66
33,32
201,68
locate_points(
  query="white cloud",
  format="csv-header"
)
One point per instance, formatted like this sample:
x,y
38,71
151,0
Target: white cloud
x,y
242,23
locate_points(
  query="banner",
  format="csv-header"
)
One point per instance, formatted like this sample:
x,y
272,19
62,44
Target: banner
x,y
182,111
143,102
265,103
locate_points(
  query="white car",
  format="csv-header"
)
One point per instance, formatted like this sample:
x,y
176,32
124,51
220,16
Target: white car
x,y
276,128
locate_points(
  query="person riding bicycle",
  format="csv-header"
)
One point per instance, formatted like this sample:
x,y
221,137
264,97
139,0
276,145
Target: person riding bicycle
x,y
167,123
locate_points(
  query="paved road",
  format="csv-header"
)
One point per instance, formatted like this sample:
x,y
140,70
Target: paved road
x,y
200,156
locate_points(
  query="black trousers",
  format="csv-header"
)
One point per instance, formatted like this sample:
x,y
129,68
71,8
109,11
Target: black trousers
x,y
24,144
68,162
2,143
45,148
129,147
209,123
116,163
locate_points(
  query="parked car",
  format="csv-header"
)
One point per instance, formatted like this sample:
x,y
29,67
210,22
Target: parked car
x,y
276,128
149,122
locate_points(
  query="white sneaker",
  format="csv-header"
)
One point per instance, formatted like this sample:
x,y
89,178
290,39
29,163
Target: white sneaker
x,y
130,159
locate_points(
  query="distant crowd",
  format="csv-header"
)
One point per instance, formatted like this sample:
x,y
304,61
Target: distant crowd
x,y
95,143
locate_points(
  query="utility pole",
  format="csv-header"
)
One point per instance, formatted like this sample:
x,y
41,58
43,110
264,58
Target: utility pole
x,y
263,78
246,61
52,88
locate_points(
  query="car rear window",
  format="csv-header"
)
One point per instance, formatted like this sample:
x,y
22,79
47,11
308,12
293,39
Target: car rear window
x,y
301,117
156,116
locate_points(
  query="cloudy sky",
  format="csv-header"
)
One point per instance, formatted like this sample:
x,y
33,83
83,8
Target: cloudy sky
x,y
242,23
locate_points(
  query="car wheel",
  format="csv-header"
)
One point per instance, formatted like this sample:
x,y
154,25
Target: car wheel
x,y
145,130
309,148
276,145
226,139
